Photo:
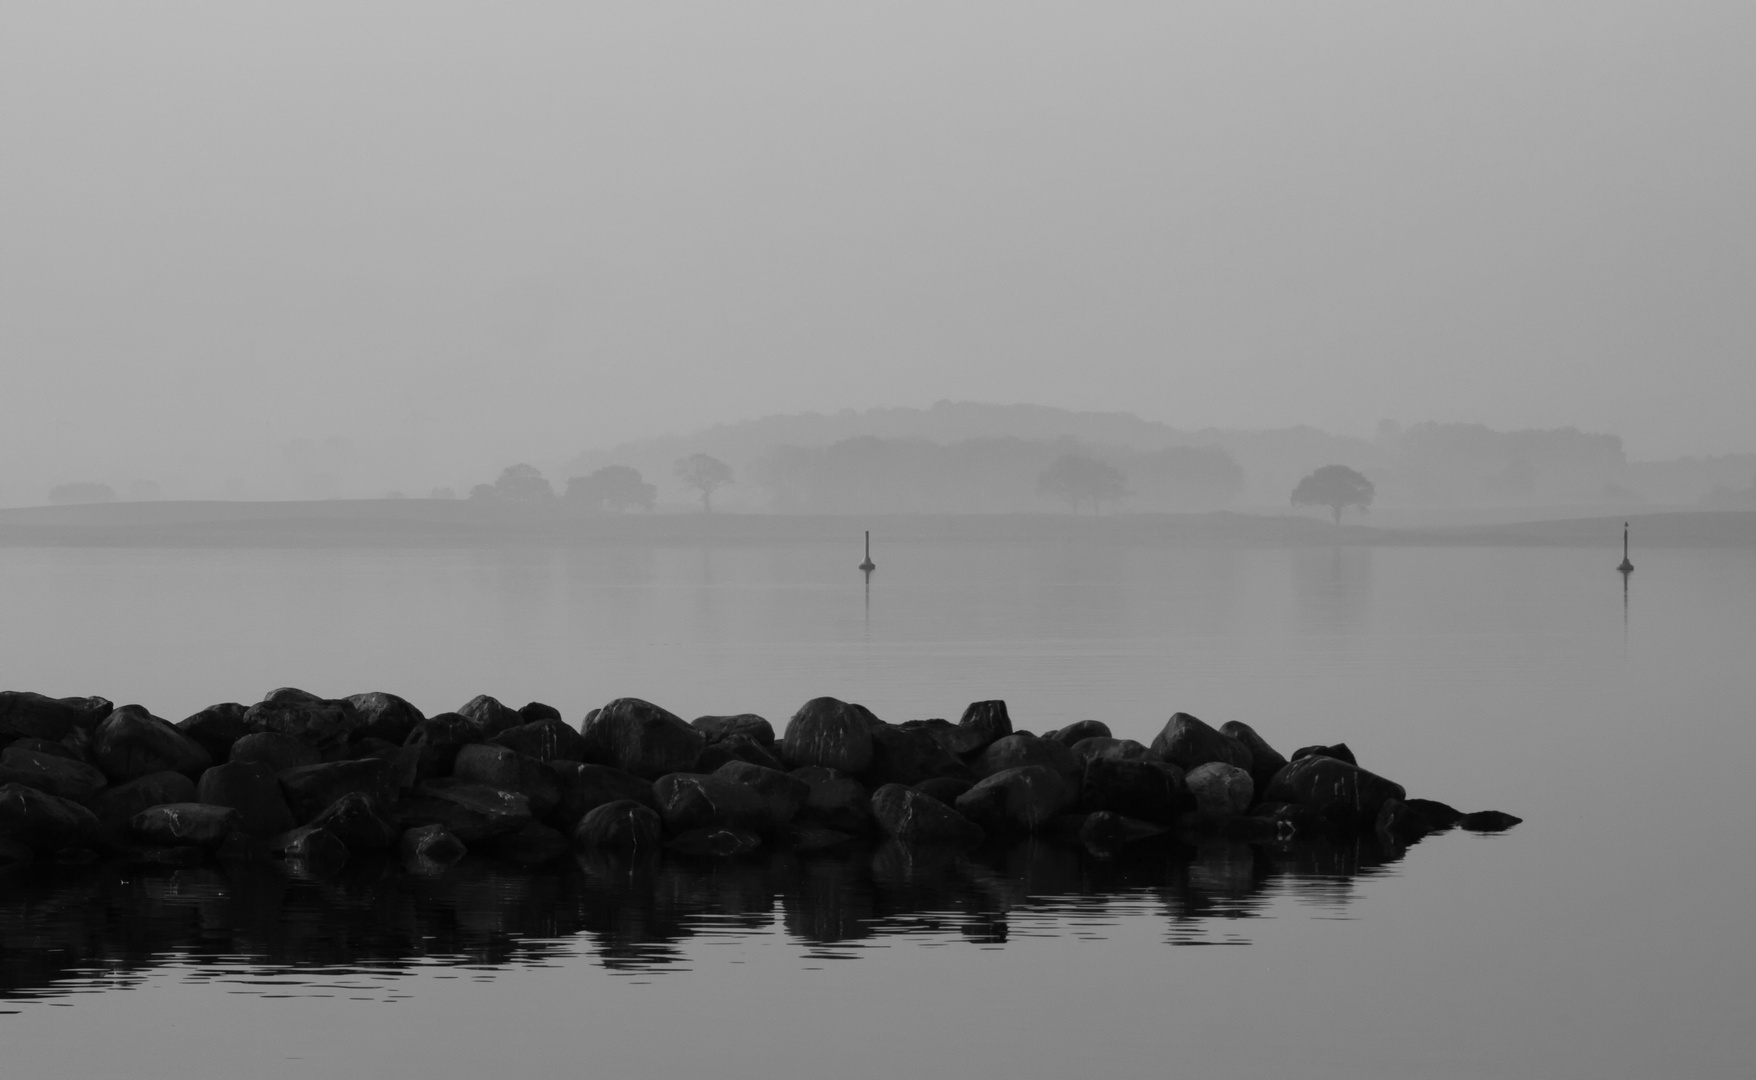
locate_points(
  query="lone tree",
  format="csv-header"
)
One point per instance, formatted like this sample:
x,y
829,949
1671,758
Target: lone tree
x,y
1337,487
517,483
704,474
613,487
1080,479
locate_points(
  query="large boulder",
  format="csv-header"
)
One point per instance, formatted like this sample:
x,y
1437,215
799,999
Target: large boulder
x,y
431,748
179,824
1124,749
252,789
715,842
1134,788
585,787
693,801
216,728
947,789
132,743
1017,751
310,789
1016,800
915,819
986,721
623,825
360,822
430,848
1187,742
639,737
715,728
736,747
1345,794
530,846
1073,734
116,806
903,755
830,733
489,716
384,716
320,722
960,742
278,752
471,812
551,739
44,822
50,772
1104,833
24,715
1219,790
835,799
1265,760
532,711
509,770
1339,751
783,796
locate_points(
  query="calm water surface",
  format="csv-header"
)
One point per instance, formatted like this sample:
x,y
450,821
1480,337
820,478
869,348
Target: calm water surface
x,y
1609,935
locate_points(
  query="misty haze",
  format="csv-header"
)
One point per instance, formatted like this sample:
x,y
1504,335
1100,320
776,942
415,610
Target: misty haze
x,y
785,540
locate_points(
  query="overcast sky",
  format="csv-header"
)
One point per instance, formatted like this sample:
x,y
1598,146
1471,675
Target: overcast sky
x,y
460,235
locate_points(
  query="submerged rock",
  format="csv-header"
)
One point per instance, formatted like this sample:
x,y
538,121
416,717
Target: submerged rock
x,y
431,847
715,841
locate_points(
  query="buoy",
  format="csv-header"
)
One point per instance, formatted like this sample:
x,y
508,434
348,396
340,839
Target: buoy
x,y
868,566
1627,567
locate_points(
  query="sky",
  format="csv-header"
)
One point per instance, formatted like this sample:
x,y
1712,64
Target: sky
x,y
436,238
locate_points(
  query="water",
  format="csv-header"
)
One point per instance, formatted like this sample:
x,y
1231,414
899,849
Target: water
x,y
1606,936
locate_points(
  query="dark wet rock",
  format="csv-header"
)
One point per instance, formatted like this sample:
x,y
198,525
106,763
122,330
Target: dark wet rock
x,y
277,751
431,748
959,742
692,801
51,747
639,737
13,853
253,790
116,806
987,722
195,824
903,755
947,789
132,743
309,789
715,841
805,837
1344,793
216,728
44,822
1290,821
1400,824
373,747
1017,751
509,770
783,795
1023,799
1186,742
1104,833
55,774
912,818
168,855
1220,790
359,821
1339,751
1265,760
472,812
318,722
24,715
1135,787
532,845
1074,733
319,849
1439,816
1123,749
830,733
431,847
384,716
1488,821
835,799
622,825
736,747
489,716
585,787
534,711
241,847
548,739
715,728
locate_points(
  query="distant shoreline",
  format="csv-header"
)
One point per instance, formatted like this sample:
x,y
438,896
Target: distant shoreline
x,y
431,523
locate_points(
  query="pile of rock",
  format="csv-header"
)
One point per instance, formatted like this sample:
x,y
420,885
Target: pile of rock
x,y
317,779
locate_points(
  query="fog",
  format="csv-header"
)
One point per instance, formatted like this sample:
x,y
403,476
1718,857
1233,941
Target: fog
x,y
435,239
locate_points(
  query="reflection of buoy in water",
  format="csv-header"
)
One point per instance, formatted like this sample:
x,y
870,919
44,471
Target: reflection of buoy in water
x,y
868,566
1627,567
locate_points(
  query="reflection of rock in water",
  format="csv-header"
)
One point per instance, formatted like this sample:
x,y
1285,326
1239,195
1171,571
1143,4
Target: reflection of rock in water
x,y
59,924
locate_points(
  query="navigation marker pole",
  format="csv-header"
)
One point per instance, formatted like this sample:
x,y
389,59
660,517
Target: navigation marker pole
x,y
1627,567
868,566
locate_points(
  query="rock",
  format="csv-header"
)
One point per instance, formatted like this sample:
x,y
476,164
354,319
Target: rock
x,y
1265,760
912,818
639,737
1135,787
692,801
508,770
584,788
253,790
194,824
736,747
216,728
309,789
371,746
1339,751
829,733
1439,817
51,773
533,711
1104,833
1400,825
835,799
622,825
278,752
132,743
314,721
1290,821
959,742
715,841
715,728
903,755
1078,731
549,739
1017,751
1122,749
782,795
24,715
52,748
987,722
1344,793
384,716
433,745
431,847
44,822
1220,790
359,821
1187,742
489,716
1016,800
116,806
318,850
946,789
471,812
532,845
1488,821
